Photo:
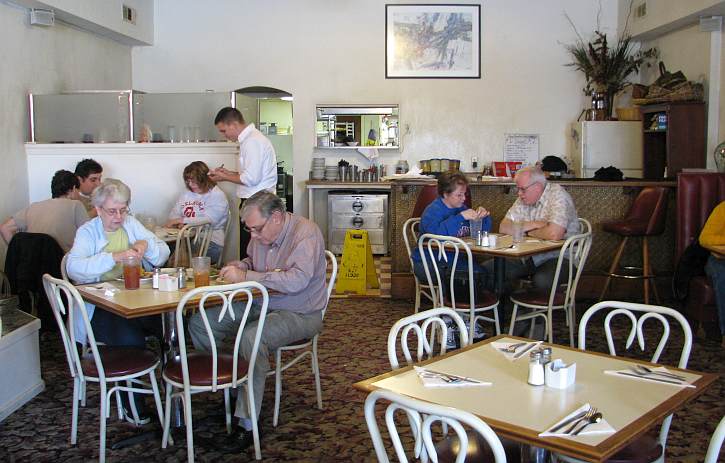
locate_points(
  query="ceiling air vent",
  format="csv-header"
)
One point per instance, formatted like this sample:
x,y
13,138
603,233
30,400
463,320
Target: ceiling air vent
x,y
129,14
40,17
640,11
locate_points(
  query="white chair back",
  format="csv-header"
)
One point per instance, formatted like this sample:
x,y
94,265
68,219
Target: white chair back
x,y
421,416
226,236
713,450
224,295
75,307
647,312
63,269
437,249
410,235
195,237
574,254
333,278
425,335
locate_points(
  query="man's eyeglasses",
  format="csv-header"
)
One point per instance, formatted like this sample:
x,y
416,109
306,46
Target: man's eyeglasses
x,y
523,189
258,229
114,212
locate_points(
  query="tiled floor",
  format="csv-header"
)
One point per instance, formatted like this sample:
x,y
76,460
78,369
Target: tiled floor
x,y
382,269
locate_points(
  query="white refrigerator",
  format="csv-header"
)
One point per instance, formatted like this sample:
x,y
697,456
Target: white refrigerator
x,y
595,144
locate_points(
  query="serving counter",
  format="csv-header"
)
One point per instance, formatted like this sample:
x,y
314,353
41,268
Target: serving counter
x,y
595,201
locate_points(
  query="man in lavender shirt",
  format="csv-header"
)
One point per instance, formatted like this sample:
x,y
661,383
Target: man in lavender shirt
x,y
286,255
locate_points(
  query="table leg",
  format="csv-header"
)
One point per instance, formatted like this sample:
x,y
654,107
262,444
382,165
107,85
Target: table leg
x,y
169,352
531,454
499,271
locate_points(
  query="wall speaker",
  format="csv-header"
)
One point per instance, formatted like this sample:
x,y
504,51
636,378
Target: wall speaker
x,y
40,17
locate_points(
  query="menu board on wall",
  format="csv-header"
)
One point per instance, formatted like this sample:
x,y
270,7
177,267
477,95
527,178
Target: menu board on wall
x,y
522,148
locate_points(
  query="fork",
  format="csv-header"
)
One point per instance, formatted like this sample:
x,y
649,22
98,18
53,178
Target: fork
x,y
643,370
584,418
512,348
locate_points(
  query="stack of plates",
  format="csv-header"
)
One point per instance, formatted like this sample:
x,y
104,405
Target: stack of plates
x,y
331,173
318,168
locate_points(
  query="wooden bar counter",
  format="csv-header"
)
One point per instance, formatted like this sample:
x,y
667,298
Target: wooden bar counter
x,y
596,201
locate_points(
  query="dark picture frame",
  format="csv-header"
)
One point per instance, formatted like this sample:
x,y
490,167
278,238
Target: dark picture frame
x,y
433,41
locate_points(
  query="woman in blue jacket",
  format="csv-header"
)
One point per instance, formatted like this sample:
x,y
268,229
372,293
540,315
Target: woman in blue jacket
x,y
100,246
448,215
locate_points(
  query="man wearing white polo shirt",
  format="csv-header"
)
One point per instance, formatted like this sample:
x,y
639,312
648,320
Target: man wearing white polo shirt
x,y
257,166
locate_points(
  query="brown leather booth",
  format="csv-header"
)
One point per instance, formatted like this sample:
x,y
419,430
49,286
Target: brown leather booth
x,y
697,195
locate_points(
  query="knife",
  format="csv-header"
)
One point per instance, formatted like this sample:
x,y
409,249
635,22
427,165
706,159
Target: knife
x,y
574,418
649,378
525,350
450,375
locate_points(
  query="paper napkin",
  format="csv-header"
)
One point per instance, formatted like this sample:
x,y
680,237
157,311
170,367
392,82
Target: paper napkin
x,y
108,289
431,378
527,347
595,428
649,377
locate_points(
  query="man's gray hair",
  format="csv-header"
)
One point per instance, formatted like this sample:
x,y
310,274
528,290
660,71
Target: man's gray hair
x,y
535,174
113,189
266,202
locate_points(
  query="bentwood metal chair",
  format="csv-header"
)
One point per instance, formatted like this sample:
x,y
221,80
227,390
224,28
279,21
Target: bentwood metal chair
x,y
437,249
432,329
306,346
645,449
192,373
195,240
713,450
410,236
101,364
561,296
480,444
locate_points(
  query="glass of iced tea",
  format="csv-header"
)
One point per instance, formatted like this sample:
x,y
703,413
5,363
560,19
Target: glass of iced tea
x,y
131,272
201,266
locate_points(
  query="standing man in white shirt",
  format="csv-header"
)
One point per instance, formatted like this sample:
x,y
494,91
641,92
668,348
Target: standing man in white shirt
x,y
257,166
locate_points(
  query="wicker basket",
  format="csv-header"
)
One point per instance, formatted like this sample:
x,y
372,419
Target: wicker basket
x,y
686,91
628,114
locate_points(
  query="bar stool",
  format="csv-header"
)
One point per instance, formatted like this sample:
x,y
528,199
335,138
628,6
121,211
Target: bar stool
x,y
645,218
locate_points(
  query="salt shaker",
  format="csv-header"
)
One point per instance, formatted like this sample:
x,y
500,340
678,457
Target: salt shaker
x,y
536,369
181,274
155,279
545,355
485,240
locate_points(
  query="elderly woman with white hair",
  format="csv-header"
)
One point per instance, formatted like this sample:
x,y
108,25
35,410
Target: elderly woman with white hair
x,y
99,249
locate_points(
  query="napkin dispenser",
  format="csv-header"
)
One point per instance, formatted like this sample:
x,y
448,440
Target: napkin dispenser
x,y
168,283
559,375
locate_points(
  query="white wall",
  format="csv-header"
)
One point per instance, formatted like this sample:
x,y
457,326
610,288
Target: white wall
x,y
333,52
44,60
104,17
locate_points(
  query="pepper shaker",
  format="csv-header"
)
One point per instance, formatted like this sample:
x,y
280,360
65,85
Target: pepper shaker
x,y
536,369
181,275
545,355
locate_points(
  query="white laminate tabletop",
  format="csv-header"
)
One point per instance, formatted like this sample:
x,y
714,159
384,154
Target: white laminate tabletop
x,y
520,411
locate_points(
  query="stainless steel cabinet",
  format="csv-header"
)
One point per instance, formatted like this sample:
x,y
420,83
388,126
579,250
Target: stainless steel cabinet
x,y
359,212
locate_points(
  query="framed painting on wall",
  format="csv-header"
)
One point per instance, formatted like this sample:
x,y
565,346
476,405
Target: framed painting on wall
x,y
432,41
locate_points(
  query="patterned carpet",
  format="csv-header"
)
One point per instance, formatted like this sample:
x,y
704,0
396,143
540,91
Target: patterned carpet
x,y
352,347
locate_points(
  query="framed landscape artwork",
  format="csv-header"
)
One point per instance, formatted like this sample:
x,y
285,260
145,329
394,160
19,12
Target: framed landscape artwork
x,y
433,41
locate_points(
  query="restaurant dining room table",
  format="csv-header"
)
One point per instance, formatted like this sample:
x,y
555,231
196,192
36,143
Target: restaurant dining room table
x,y
519,411
144,301
506,249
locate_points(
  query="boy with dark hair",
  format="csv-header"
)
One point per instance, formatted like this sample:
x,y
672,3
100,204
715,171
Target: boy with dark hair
x,y
89,173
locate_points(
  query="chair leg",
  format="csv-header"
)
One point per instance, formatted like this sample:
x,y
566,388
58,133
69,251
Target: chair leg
x,y
277,385
316,372
227,411
613,267
157,396
102,424
74,417
570,313
167,416
471,326
647,271
189,429
495,317
513,318
417,295
83,393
